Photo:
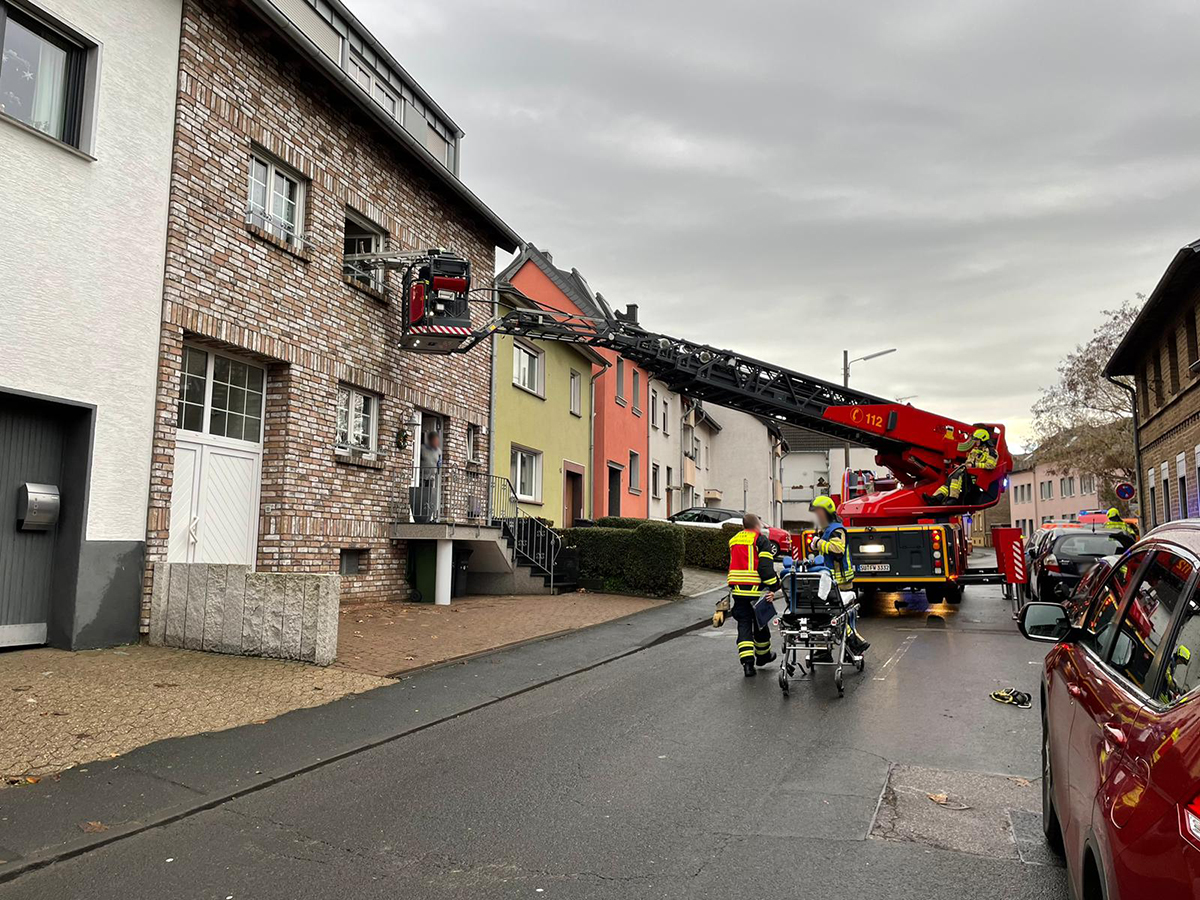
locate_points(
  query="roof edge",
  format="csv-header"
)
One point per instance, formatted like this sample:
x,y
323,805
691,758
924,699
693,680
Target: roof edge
x,y
1118,360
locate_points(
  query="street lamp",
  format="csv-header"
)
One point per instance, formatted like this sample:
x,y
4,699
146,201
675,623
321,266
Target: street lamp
x,y
846,363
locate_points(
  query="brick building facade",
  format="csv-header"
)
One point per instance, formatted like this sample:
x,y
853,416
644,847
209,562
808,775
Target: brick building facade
x,y
278,163
1160,352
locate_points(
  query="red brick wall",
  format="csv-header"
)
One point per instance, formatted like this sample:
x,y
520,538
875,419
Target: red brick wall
x,y
241,86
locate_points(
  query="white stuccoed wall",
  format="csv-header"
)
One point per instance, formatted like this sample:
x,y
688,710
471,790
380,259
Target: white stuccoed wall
x,y
82,245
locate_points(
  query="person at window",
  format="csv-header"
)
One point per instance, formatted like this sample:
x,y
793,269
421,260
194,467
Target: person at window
x,y
751,576
1117,523
831,548
431,474
981,456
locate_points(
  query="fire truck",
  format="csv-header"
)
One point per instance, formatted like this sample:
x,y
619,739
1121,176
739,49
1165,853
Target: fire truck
x,y
898,538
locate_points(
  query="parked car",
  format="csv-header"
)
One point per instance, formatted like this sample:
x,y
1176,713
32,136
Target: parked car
x,y
712,517
1066,555
1120,725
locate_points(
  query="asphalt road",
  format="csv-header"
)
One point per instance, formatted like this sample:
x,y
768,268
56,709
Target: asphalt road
x,y
660,774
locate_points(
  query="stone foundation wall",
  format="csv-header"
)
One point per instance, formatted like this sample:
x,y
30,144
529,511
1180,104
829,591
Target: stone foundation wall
x,y
229,609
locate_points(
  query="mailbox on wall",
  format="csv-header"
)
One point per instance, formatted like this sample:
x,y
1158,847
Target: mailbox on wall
x,y
37,506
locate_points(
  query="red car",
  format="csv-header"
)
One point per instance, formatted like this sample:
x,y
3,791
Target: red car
x,y
1121,722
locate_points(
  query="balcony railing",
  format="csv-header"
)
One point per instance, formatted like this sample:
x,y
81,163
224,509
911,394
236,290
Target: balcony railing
x,y
447,495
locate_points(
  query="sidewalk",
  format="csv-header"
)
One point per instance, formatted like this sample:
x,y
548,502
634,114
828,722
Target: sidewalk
x,y
389,639
168,780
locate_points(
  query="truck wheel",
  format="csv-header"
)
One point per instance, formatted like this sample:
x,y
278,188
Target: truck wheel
x,y
934,594
954,593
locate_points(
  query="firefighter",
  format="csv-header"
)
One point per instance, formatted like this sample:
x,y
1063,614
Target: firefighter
x,y
1119,524
981,454
832,544
751,573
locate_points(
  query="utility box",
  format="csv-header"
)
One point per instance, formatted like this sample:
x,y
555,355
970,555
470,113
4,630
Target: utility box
x,y
423,561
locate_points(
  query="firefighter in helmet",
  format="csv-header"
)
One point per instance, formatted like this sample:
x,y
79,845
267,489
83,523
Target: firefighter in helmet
x,y
1116,523
981,454
751,576
832,544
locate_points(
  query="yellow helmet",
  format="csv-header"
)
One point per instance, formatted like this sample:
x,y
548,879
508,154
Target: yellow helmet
x,y
824,503
1114,513
982,434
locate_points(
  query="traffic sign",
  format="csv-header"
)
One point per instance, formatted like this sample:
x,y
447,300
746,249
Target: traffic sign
x,y
1125,490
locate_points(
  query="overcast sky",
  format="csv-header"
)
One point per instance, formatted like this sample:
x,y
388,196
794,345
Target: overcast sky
x,y
970,182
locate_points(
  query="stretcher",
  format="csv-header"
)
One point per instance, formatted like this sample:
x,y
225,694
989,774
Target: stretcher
x,y
814,626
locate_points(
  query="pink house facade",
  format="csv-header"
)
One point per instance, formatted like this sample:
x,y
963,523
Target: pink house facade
x,y
1038,495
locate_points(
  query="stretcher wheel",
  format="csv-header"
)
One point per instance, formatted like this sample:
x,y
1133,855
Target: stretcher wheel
x,y
861,663
837,681
783,679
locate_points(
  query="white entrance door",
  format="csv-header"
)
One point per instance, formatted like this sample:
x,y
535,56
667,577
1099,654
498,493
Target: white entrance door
x,y
218,460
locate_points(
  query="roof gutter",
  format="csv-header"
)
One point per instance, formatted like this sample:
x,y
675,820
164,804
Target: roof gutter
x,y
506,238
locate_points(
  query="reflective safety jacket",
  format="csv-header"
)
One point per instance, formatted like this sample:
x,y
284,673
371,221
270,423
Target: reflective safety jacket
x,y
751,563
834,547
1123,526
983,456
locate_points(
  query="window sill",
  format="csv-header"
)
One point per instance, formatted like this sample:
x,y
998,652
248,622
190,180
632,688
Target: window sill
x,y
521,387
636,411
637,492
286,246
528,501
358,459
372,292
621,401
50,139
577,415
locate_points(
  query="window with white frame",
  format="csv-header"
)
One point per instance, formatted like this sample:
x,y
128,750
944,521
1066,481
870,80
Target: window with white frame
x,y
220,395
635,472
653,408
474,441
276,202
1181,479
526,473
375,87
666,404
655,486
620,380
576,393
1166,492
362,236
527,367
357,420
637,392
1154,517
1087,484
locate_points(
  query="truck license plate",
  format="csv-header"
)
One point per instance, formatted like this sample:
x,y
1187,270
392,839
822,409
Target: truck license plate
x,y
874,567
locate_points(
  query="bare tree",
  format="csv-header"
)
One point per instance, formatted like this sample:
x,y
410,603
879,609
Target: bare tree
x,y
1084,421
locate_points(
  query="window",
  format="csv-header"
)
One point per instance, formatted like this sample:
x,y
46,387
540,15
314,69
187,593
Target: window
x,y
41,76
1173,361
637,392
1143,389
386,98
666,416
1153,500
276,199
1148,616
474,433
362,237
576,393
375,86
620,380
225,393
655,487
635,472
352,561
526,473
1166,492
1181,670
653,408
670,477
1100,619
1181,480
1046,489
1159,398
527,368
357,420
1087,484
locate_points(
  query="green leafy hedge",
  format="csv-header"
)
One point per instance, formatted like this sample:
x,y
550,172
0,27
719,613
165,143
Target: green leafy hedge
x,y
705,548
619,522
647,559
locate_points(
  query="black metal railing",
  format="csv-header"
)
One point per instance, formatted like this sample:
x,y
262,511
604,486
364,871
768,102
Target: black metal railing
x,y
447,495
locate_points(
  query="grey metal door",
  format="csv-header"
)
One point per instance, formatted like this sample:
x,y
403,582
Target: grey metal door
x,y
32,436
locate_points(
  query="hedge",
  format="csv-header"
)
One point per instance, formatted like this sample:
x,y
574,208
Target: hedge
x,y
647,559
619,522
705,548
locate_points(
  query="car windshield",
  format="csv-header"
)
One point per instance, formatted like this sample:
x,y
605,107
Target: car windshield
x,y
1089,544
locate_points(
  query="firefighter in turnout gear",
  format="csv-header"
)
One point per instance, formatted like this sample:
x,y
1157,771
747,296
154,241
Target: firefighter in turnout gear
x,y
981,454
751,576
832,544
1116,523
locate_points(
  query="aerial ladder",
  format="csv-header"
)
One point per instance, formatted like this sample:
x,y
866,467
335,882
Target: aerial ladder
x,y
899,539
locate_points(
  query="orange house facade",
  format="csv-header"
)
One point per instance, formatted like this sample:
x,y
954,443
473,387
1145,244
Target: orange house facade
x,y
619,474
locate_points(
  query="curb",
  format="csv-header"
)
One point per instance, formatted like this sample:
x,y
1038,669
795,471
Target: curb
x,y
37,861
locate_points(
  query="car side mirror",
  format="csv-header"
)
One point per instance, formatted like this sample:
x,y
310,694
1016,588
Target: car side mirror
x,y
1045,622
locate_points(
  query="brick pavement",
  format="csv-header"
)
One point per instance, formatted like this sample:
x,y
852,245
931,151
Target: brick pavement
x,y
391,638
61,709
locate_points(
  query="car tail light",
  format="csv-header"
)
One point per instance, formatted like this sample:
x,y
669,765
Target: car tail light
x,y
1051,563
1189,821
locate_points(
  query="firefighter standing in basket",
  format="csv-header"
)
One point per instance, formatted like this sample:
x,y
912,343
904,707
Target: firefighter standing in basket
x,y
751,576
831,543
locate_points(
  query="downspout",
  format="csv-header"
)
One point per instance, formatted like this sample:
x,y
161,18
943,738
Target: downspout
x,y
1137,447
591,494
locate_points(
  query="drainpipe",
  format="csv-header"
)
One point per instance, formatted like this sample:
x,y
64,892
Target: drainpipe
x,y
1137,447
591,497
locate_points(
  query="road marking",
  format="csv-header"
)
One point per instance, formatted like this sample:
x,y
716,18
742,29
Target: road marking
x,y
895,658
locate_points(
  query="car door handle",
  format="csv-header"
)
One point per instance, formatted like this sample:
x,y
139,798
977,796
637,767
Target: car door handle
x,y
1115,734
1074,690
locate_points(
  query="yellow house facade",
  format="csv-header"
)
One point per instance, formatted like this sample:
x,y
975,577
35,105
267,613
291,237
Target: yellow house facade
x,y
542,424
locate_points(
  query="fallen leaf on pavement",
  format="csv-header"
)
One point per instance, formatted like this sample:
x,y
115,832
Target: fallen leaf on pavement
x,y
32,779
944,801
1019,781
93,827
